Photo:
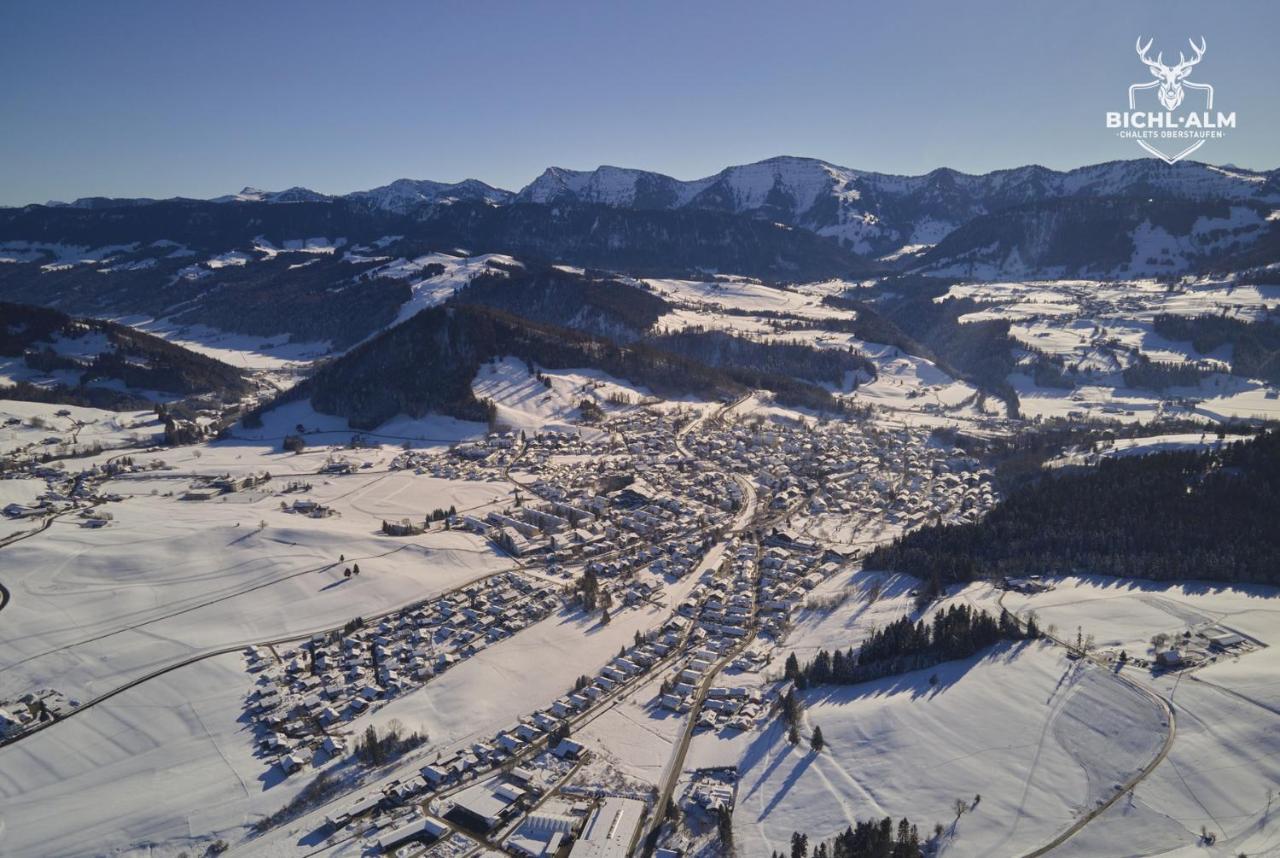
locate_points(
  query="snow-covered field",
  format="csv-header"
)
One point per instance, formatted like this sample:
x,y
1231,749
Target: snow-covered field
x,y
1100,328
168,579
167,763
906,746
1224,764
525,403
744,295
30,424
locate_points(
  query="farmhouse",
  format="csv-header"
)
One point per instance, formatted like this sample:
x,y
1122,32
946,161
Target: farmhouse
x,y
425,830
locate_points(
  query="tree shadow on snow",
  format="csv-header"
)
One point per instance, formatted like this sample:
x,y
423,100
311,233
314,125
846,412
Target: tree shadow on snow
x,y
917,684
1191,588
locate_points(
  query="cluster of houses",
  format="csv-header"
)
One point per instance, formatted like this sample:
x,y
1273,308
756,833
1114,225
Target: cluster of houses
x,y
306,695
549,728
717,617
537,528
31,710
588,505
712,788
208,488
840,468
481,459
1198,646
787,575
66,491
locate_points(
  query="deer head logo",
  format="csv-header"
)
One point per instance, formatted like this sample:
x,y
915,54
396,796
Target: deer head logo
x,y
1170,79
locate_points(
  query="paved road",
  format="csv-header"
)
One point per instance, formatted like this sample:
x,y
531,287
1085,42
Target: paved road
x,y
1128,785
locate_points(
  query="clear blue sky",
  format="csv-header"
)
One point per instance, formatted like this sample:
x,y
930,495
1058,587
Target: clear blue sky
x,y
199,99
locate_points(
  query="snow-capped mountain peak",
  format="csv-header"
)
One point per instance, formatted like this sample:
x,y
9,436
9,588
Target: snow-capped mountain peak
x,y
295,194
404,195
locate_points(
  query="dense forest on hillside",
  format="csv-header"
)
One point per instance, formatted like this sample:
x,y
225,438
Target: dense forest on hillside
x,y
1255,346
645,242
748,359
871,326
566,321
319,298
593,304
99,352
428,363
979,352
1170,516
1159,375
1075,235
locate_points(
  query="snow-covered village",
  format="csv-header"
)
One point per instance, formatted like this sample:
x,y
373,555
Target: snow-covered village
x,y
783,509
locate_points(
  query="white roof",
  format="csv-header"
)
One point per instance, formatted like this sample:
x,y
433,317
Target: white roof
x,y
609,832
428,826
483,801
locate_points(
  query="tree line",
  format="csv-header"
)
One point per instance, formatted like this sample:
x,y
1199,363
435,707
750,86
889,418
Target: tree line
x,y
1168,517
865,839
905,645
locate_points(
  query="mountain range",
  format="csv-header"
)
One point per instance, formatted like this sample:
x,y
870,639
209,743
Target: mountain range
x,y
867,212
232,262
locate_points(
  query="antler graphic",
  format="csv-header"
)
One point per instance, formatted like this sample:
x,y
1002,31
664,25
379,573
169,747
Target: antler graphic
x,y
1170,80
1142,53
1184,63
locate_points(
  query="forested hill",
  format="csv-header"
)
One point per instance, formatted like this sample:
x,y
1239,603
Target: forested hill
x,y
58,358
594,304
1170,516
427,365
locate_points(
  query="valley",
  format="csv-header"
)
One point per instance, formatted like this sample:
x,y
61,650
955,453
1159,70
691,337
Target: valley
x,y
432,520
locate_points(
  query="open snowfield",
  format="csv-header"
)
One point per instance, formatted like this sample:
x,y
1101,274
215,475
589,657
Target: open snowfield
x,y
636,737
745,295
525,403
1127,613
82,427
167,763
274,353
1226,755
168,579
322,429
1224,766
1146,445
902,746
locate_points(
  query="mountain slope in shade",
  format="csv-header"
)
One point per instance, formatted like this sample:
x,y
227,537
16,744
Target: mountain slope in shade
x,y
1105,237
868,212
405,195
49,356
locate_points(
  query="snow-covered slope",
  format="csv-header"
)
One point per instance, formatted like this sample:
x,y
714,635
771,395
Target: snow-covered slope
x,y
290,195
